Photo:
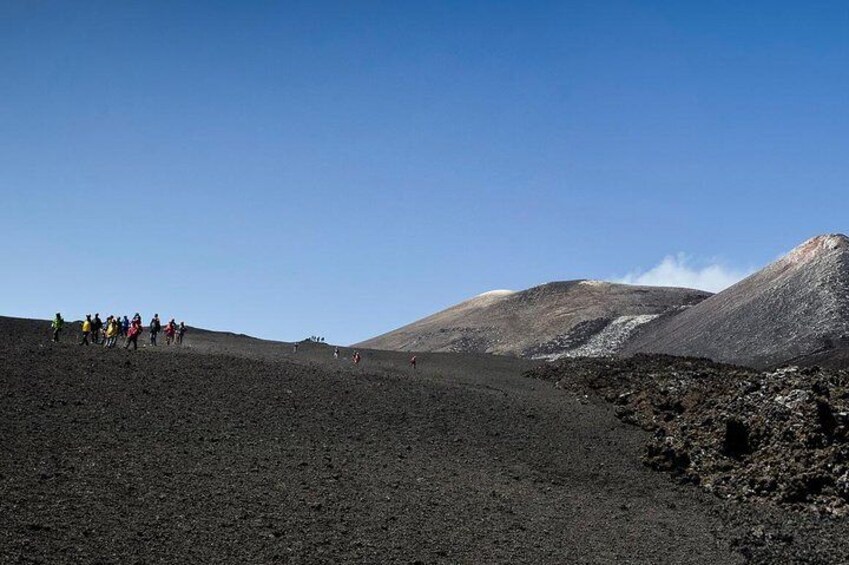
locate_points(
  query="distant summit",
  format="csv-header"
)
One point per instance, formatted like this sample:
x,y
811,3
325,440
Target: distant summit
x,y
816,246
794,308
573,318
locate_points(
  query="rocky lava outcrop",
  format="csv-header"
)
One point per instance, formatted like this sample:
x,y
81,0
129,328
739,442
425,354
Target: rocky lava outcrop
x,y
779,436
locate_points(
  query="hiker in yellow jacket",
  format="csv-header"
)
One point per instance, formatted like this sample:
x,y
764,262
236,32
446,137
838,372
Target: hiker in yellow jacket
x,y
86,329
57,325
113,326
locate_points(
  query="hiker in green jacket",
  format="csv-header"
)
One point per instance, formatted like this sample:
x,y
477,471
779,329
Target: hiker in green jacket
x,y
58,324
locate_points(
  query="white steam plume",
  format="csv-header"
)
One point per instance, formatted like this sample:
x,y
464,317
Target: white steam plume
x,y
676,270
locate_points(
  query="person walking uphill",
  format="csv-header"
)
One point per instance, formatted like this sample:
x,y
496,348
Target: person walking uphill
x,y
96,326
57,325
170,330
112,330
181,331
155,328
133,335
86,329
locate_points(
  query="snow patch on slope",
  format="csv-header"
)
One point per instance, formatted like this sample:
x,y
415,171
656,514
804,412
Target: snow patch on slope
x,y
495,293
591,282
607,341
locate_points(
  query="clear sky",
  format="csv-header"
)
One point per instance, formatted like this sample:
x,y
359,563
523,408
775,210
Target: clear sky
x,y
285,169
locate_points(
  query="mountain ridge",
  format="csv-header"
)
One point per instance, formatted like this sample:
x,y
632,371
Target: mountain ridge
x,y
796,309
544,322
796,306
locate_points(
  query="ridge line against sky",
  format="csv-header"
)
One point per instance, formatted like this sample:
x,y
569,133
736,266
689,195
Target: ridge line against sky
x,y
339,169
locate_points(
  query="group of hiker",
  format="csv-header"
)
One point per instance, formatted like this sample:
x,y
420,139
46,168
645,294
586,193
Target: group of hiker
x,y
108,332
97,331
355,358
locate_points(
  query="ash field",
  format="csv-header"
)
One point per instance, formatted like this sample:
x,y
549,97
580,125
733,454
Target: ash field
x,y
236,450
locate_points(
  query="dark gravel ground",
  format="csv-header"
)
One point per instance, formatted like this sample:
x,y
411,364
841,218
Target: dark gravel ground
x,y
260,455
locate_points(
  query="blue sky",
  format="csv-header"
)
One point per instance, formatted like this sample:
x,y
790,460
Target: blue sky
x,y
285,169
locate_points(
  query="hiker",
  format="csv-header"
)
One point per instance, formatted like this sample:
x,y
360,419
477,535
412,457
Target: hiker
x,y
357,357
181,331
96,327
86,329
413,362
170,330
125,326
294,348
136,318
133,335
113,328
155,328
57,325
336,353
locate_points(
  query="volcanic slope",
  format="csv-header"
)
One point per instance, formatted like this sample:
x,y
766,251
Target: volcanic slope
x,y
560,319
796,309
263,455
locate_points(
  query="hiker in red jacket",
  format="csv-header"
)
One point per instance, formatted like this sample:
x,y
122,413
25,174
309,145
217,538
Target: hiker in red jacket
x,y
170,330
133,335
